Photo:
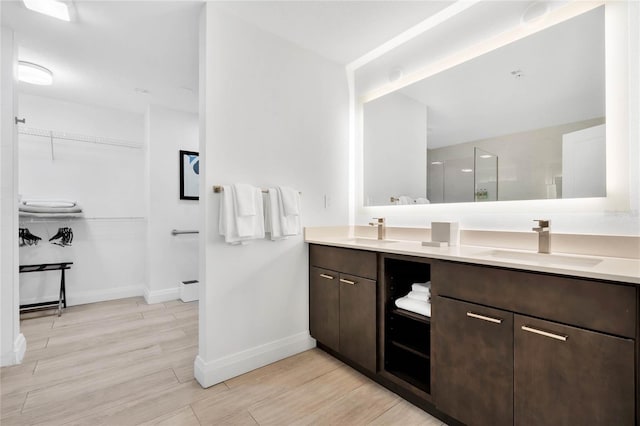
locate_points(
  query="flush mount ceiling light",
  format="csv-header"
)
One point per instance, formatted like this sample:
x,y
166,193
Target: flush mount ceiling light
x,y
486,156
395,74
34,74
54,8
534,12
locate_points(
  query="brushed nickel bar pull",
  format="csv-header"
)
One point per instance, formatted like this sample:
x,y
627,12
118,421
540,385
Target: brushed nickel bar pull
x,y
484,318
545,333
342,280
329,277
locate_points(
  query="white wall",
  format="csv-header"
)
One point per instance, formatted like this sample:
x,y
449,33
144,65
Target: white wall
x,y
395,148
12,343
109,247
171,259
274,114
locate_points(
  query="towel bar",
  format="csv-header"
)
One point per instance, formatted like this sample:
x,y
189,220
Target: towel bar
x,y
218,189
179,232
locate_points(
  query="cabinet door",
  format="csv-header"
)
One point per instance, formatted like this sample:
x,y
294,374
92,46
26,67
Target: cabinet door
x,y
472,362
358,320
324,307
570,376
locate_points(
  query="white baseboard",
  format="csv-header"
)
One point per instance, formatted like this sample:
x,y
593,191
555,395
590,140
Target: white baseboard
x,y
159,296
209,373
92,296
16,355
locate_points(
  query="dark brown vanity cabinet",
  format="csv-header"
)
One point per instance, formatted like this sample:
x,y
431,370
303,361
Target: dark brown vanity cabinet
x,y
324,307
342,302
570,376
523,348
473,362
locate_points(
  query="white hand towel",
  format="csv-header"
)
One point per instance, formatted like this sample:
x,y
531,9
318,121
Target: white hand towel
x,y
417,306
419,295
290,224
272,215
423,287
245,199
252,226
226,223
422,200
290,201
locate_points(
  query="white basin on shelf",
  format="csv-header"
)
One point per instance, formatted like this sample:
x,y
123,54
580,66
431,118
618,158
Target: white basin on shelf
x,y
544,258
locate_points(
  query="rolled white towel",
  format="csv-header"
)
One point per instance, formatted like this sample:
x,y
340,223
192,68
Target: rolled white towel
x,y
417,306
423,287
404,199
419,295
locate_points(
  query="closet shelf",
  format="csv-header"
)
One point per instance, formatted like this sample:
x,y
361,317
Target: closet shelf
x,y
84,218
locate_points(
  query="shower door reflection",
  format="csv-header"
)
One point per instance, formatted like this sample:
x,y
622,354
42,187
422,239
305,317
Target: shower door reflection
x,y
485,175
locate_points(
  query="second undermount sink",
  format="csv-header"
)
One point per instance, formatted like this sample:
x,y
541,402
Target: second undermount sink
x,y
544,258
362,240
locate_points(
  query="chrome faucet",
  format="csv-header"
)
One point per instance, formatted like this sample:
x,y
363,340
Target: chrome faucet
x,y
382,231
544,239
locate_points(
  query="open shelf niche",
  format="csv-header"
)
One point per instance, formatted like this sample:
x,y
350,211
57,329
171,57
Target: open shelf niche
x,y
407,335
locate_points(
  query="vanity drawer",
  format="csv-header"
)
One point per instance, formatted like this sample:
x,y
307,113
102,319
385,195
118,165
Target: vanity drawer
x,y
354,262
610,308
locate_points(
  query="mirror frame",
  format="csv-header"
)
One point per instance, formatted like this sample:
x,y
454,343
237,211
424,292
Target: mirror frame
x,y
617,110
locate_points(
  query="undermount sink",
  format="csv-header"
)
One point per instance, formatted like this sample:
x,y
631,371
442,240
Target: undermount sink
x,y
360,240
543,258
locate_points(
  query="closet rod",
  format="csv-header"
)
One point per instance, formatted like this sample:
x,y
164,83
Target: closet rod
x,y
218,188
54,134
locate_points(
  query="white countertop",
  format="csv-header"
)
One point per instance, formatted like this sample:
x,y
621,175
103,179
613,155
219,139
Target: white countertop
x,y
597,267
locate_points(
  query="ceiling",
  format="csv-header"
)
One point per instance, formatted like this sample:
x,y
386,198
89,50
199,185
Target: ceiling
x,y
553,77
129,54
111,49
341,31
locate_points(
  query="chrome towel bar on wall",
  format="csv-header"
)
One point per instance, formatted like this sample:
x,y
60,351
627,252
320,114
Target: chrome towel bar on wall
x,y
180,231
218,189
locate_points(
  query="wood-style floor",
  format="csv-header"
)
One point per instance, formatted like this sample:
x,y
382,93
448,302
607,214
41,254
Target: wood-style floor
x,y
124,362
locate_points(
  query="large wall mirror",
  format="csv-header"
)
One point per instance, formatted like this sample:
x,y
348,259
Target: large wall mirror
x,y
523,122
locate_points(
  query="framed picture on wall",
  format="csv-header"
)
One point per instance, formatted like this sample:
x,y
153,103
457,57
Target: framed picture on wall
x,y
189,175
